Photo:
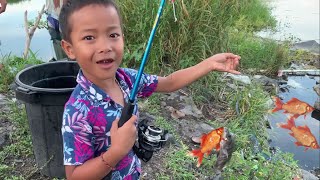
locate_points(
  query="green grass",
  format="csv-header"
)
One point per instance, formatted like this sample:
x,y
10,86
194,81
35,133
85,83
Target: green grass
x,y
259,54
20,142
11,66
204,28
244,164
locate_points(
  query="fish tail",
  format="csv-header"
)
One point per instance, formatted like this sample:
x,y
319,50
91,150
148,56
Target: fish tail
x,y
278,104
293,117
289,125
199,154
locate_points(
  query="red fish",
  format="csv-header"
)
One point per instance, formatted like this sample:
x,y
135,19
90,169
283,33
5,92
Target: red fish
x,y
302,134
294,106
209,142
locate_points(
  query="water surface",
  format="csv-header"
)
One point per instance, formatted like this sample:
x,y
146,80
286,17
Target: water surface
x,y
300,87
298,18
12,33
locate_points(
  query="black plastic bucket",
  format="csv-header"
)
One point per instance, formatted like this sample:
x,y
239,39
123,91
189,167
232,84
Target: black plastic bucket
x,y
45,89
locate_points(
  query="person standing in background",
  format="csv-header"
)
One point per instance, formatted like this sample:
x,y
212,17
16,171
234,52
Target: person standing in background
x,y
53,10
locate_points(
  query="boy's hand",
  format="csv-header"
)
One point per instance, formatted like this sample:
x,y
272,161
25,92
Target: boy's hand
x,y
224,62
3,5
123,138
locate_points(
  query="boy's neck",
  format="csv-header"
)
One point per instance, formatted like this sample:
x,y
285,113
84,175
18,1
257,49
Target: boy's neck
x,y
107,84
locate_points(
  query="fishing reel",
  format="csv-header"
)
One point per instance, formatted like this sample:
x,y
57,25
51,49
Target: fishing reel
x,y
150,139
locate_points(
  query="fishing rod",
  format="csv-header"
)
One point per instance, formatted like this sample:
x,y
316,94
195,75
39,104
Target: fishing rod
x,y
129,106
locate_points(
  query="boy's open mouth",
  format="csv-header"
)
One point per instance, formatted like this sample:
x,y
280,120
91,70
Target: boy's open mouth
x,y
105,61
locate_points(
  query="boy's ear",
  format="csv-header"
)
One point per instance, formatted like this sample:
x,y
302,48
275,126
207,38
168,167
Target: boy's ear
x,y
68,49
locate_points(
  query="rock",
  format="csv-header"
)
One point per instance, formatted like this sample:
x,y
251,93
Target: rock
x,y
311,46
265,81
176,114
241,78
163,104
308,175
269,103
3,140
13,86
232,86
3,101
190,108
295,66
190,129
317,104
316,88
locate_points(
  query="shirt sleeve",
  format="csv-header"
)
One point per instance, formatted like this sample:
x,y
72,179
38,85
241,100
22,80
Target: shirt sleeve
x,y
77,137
147,85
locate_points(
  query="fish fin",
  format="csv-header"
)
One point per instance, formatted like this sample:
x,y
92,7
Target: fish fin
x,y
291,134
298,143
305,116
199,154
203,138
292,100
289,125
306,149
305,128
295,116
278,104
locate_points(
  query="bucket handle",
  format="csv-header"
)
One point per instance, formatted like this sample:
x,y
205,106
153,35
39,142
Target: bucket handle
x,y
26,95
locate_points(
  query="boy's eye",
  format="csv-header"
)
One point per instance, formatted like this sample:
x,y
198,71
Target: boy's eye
x,y
114,35
88,38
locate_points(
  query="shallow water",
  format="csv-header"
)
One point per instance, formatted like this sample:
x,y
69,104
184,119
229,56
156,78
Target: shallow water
x,y
300,87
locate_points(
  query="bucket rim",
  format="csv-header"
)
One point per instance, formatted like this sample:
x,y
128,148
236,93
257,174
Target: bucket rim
x,y
42,90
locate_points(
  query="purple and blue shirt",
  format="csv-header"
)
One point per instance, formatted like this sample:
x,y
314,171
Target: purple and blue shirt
x,y
88,116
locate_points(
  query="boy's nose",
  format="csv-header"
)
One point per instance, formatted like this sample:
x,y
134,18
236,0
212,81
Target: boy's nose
x,y
104,46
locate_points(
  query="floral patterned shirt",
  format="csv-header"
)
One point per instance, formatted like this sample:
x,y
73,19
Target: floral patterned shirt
x,y
88,116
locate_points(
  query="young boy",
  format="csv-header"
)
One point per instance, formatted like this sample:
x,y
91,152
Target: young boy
x,y
94,145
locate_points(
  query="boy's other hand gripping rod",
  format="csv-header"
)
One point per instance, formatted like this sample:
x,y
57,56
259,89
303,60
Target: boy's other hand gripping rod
x,y
129,106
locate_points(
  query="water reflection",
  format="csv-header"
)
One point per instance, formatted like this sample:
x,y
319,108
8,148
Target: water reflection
x,y
12,33
300,87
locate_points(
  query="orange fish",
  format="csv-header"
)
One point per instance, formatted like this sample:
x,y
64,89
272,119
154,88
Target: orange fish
x,y
302,134
209,142
294,106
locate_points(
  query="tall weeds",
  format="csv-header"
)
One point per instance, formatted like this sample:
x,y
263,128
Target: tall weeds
x,y
203,29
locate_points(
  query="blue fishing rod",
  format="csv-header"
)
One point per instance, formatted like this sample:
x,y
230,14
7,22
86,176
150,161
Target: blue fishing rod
x,y
129,106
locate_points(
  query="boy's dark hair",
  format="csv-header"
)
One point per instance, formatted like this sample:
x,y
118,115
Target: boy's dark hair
x,y
73,5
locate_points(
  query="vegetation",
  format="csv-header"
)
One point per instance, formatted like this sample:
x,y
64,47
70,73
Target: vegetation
x,y
204,27
11,65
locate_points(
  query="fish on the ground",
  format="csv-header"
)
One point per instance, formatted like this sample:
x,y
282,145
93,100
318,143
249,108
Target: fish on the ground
x,y
208,142
302,134
294,106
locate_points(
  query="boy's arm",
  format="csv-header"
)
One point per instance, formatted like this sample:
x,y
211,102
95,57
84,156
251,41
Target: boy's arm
x,y
225,62
122,141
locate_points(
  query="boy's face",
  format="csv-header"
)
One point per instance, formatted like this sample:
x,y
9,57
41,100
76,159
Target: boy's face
x,y
96,41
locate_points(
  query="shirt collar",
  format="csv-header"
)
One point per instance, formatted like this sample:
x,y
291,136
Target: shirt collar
x,y
96,93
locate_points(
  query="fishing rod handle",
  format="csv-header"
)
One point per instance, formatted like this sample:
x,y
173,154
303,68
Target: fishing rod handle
x,y
126,113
